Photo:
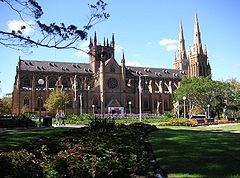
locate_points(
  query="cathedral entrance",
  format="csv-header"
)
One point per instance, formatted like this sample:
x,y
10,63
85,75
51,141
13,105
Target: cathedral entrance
x,y
114,107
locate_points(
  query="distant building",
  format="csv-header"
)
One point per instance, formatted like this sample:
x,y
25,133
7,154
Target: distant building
x,y
103,85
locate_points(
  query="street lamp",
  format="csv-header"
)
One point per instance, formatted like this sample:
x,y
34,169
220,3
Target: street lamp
x,y
208,110
41,83
80,103
130,109
177,108
93,106
184,106
158,105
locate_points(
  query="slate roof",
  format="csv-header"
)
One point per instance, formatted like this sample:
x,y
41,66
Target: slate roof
x,y
155,72
84,68
52,66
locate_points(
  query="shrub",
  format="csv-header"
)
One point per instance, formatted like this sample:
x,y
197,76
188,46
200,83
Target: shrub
x,y
223,121
169,115
77,119
19,164
83,153
179,122
102,124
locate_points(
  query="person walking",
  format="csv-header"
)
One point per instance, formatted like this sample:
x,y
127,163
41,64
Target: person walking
x,y
63,118
57,118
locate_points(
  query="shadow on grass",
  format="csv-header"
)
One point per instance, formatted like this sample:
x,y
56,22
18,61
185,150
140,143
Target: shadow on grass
x,y
197,153
13,139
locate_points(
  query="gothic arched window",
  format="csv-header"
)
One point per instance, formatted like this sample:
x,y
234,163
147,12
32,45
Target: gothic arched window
x,y
52,82
66,82
26,101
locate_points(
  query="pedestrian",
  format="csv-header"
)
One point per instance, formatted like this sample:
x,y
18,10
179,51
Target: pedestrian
x,y
57,118
63,118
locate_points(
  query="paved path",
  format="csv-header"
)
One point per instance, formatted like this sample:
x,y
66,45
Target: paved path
x,y
2,130
220,125
69,126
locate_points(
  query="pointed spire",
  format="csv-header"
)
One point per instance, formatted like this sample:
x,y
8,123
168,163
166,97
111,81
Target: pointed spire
x,y
90,43
181,58
181,47
123,58
181,31
113,41
197,36
107,42
104,43
95,38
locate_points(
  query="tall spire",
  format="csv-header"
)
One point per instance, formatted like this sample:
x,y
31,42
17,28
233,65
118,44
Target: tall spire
x,y
181,62
123,58
95,38
90,43
113,41
181,46
197,36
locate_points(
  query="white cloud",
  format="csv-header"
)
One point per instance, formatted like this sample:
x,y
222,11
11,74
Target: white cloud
x,y
167,42
18,24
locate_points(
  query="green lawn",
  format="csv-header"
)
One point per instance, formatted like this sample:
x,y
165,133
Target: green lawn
x,y
198,151
181,151
12,139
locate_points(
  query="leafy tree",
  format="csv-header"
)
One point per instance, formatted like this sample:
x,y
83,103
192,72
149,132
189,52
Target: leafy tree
x,y
234,103
57,100
58,36
5,106
203,91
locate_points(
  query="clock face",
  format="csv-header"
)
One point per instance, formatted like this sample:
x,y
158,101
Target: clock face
x,y
112,83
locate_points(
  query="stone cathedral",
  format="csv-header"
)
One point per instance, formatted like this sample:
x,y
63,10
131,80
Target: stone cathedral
x,y
105,86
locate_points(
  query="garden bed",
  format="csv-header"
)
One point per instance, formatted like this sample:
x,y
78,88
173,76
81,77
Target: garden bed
x,y
109,151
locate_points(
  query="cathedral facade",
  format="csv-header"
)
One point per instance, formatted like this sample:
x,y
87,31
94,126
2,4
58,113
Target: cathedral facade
x,y
105,86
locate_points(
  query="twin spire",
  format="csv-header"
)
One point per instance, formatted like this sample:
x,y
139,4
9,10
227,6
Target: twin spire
x,y
181,62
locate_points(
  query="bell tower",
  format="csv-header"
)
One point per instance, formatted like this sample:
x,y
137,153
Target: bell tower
x,y
198,59
100,53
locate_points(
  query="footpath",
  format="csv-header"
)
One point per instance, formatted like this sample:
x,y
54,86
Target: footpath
x,y
2,130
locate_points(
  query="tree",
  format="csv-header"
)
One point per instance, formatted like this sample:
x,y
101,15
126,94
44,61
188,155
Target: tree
x,y
57,100
203,91
58,36
5,106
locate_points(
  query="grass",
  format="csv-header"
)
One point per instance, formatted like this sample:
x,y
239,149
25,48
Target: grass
x,y
198,152
181,151
12,139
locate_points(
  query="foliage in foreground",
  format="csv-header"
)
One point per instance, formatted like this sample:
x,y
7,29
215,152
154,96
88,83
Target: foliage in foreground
x,y
87,152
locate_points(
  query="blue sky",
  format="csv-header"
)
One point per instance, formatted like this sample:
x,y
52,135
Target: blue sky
x,y
147,31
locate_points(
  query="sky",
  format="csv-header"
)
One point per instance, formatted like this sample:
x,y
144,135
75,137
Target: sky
x,y
147,31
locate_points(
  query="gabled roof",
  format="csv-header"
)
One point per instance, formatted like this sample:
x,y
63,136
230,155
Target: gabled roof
x,y
84,68
52,66
114,103
155,72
